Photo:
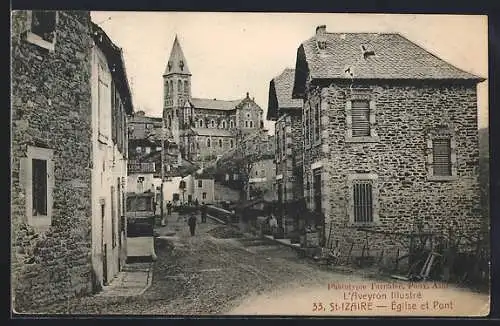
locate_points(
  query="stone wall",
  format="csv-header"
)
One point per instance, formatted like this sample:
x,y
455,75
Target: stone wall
x,y
51,103
404,116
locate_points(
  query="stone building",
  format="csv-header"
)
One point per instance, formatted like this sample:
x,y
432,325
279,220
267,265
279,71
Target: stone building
x,y
111,103
390,137
287,113
203,128
51,158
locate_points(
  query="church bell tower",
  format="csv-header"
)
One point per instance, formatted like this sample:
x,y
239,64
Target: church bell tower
x,y
176,92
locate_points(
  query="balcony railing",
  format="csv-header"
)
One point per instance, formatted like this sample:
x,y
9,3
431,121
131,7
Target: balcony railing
x,y
141,167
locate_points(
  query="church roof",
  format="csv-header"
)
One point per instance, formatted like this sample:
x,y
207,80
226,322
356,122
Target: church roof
x,y
177,63
214,104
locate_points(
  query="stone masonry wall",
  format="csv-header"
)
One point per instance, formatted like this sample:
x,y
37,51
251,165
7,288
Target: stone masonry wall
x,y
51,108
404,115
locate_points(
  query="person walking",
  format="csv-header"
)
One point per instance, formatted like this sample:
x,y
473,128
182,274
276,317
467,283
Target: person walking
x,y
169,208
273,224
203,213
192,224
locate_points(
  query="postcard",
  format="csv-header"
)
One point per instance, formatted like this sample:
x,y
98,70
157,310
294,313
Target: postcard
x,y
209,163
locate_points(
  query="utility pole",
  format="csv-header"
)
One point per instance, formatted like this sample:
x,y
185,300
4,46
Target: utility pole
x,y
163,222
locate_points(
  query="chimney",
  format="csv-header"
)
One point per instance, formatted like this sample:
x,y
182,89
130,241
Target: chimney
x,y
321,30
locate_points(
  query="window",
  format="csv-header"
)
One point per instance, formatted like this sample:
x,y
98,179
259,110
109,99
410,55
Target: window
x,y
171,86
140,184
179,86
181,65
200,183
39,183
363,198
256,173
113,218
200,122
212,123
158,149
441,155
231,124
104,101
42,28
148,150
204,195
251,124
360,117
283,140
306,125
208,142
223,124
220,143
363,201
37,175
246,124
186,88
248,115
317,122
138,149
317,191
231,143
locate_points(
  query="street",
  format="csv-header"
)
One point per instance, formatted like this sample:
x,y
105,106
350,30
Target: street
x,y
219,271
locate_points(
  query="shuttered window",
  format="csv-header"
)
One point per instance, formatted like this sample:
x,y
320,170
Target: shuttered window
x,y
360,118
363,201
441,157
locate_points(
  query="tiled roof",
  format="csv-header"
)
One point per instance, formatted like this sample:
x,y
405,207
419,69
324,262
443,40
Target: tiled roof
x,y
395,58
214,104
283,84
212,132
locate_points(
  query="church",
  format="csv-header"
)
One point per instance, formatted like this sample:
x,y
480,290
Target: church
x,y
203,128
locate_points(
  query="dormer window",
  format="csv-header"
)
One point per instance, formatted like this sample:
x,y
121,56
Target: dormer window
x,y
169,64
322,44
367,51
181,65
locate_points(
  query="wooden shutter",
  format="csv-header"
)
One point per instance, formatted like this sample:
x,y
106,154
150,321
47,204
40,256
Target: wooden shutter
x,y
360,113
363,202
441,155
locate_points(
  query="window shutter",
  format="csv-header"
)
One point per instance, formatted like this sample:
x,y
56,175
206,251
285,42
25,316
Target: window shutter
x,y
441,157
360,113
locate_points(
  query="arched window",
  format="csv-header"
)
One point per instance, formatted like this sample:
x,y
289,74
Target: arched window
x,y
251,124
179,86
186,88
231,124
220,142
223,124
212,123
231,143
208,142
246,123
201,123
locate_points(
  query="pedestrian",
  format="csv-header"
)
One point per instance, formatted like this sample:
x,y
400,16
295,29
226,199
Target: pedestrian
x,y
203,212
169,208
273,224
192,224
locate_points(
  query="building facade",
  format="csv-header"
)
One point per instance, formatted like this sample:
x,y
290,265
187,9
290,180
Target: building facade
x,y
390,137
51,158
203,128
111,103
287,113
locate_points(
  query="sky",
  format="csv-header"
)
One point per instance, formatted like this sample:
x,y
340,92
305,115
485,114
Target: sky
x,y
230,54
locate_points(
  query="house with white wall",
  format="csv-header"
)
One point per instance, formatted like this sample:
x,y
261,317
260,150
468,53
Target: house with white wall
x,y
111,103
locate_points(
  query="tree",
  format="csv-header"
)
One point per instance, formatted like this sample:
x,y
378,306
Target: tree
x,y
242,160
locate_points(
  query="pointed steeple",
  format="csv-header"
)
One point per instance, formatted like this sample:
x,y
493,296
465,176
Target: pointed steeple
x,y
177,63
